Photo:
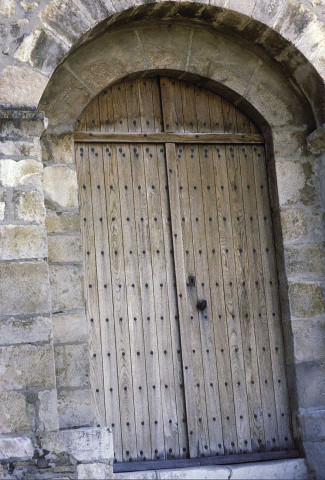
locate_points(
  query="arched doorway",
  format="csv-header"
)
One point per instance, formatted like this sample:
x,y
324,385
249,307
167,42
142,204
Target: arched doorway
x,y
181,280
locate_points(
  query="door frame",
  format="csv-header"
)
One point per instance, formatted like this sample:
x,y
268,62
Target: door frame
x,y
170,140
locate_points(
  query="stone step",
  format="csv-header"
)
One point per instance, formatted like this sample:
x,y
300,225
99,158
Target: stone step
x,y
289,469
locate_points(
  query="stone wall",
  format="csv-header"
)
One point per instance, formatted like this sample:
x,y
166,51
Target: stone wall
x,y
268,57
28,385
66,276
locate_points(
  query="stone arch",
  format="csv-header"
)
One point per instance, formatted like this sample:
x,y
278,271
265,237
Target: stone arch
x,y
289,33
243,73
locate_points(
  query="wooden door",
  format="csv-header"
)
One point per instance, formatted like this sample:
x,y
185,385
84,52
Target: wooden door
x,y
181,282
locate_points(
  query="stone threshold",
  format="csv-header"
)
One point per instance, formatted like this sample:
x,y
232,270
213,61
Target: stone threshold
x,y
288,469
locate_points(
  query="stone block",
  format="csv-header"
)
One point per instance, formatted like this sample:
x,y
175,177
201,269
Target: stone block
x,y
315,456
289,143
309,340
306,299
16,447
60,186
273,97
316,223
291,180
57,149
66,287
22,241
267,12
316,140
311,44
100,9
144,475
48,418
293,21
2,210
62,222
20,85
313,425
87,445
72,365
13,417
14,331
64,249
42,50
7,8
304,260
70,95
294,224
24,172
29,206
69,328
24,288
30,125
193,473
23,148
95,68
28,6
293,468
62,17
216,58
311,384
99,471
75,408
27,366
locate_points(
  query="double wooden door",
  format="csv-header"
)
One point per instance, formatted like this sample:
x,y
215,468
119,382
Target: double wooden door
x,y
181,282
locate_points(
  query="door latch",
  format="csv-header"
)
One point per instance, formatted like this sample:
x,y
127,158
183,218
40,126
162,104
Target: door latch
x,y
201,305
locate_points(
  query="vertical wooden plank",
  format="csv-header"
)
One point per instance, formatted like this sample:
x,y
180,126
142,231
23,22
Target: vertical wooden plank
x,y
247,302
231,299
272,298
106,311
171,99
218,311
150,109
243,124
160,290
197,348
121,315
216,117
209,390
103,112
173,306
192,412
163,275
148,306
106,111
133,106
202,100
91,293
120,121
147,285
188,93
133,290
258,299
92,115
229,116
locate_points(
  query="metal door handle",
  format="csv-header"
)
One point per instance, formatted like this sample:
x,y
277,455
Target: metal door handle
x,y
201,304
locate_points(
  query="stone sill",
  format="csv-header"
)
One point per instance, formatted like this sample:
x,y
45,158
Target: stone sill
x,y
293,469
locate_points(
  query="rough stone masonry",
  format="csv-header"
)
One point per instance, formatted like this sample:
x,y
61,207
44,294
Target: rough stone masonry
x,y
271,56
